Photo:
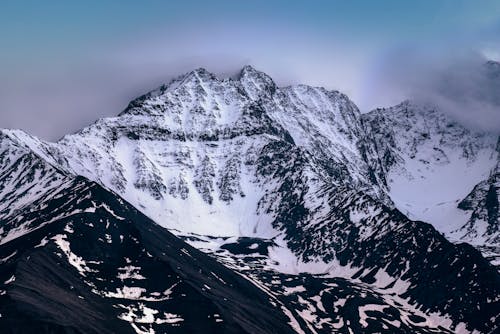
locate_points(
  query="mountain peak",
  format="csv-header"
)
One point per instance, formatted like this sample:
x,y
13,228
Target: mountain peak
x,y
200,88
257,84
200,73
248,69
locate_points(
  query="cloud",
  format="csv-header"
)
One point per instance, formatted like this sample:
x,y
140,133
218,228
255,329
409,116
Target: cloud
x,y
53,98
52,94
463,83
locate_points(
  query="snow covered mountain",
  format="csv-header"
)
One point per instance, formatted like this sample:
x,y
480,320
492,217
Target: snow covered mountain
x,y
196,141
431,164
76,258
25,178
297,191
482,208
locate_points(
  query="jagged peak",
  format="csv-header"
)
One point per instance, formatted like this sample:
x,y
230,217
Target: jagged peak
x,y
6,140
257,84
3,133
20,142
492,69
200,74
194,77
493,63
249,70
254,83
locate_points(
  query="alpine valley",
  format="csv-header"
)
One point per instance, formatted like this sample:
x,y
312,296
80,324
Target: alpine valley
x,y
232,205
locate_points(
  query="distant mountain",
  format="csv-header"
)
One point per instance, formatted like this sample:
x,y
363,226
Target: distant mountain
x,y
431,163
293,188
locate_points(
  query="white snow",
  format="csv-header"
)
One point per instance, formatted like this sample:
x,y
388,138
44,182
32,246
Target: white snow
x,y
5,259
295,289
138,293
10,280
432,193
126,292
76,261
130,272
143,314
141,317
369,307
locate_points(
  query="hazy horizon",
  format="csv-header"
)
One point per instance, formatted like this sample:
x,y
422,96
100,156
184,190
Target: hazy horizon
x,y
65,65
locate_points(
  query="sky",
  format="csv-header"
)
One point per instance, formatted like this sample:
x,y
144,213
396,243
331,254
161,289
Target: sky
x,y
63,64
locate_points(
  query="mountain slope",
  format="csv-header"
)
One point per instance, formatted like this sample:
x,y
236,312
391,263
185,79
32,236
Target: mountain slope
x,y
195,140
24,177
431,163
482,206
100,266
87,262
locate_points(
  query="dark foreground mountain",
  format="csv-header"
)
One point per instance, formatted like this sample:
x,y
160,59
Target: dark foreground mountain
x,y
94,264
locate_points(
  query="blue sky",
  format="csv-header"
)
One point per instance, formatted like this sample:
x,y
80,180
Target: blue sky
x,y
70,62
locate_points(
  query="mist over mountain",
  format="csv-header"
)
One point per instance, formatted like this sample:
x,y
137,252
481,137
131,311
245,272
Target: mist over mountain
x,y
72,63
465,86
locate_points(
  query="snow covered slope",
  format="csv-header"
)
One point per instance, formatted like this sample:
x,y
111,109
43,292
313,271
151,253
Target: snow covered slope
x,y
432,163
25,179
482,208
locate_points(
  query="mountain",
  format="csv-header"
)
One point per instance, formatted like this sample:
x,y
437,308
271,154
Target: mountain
x,y
196,140
25,178
482,208
298,192
431,165
78,259
81,260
